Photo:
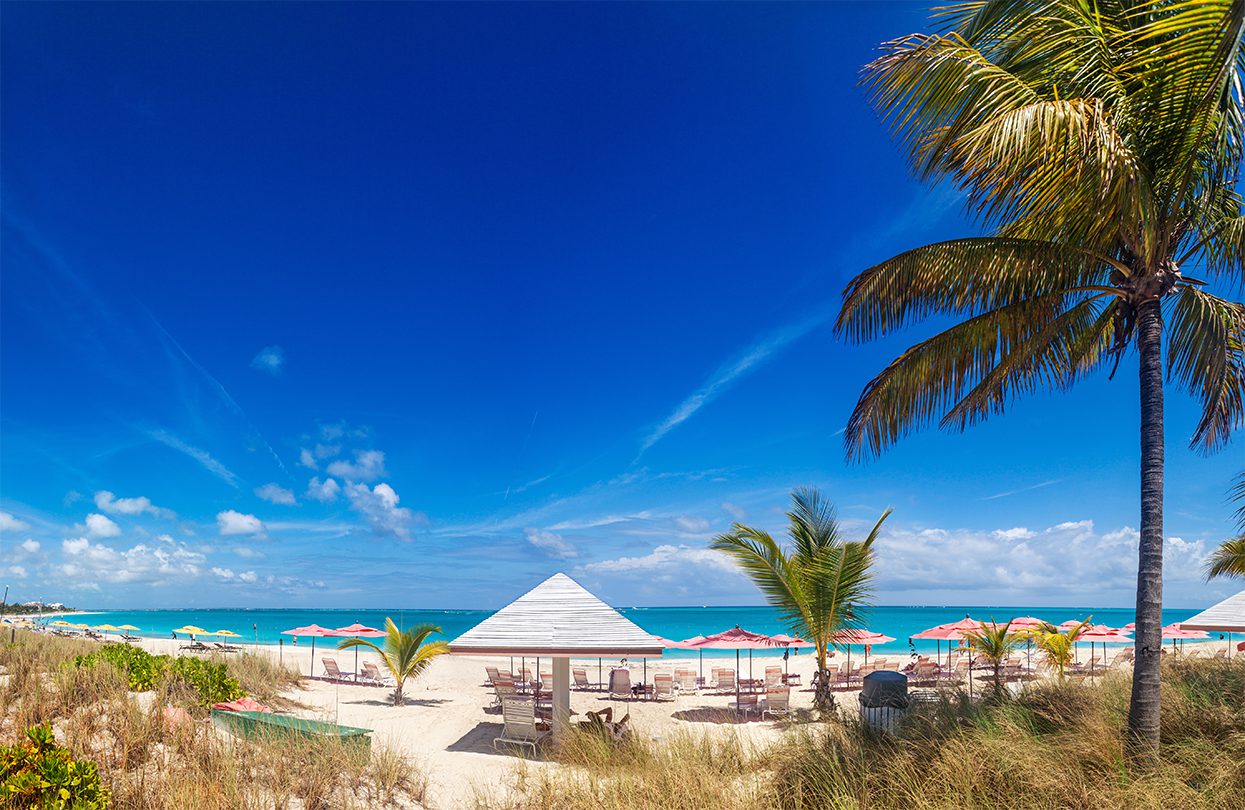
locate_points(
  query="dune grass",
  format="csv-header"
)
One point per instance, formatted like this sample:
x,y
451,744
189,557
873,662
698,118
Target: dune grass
x,y
1055,745
160,752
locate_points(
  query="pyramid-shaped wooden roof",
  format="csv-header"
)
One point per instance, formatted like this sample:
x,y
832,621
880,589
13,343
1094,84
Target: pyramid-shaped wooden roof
x,y
1227,616
557,618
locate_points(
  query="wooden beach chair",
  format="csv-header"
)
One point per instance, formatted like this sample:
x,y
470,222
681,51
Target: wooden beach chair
x,y
519,725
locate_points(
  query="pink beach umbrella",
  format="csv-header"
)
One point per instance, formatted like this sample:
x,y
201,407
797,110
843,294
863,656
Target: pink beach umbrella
x,y
939,634
1175,631
738,639
314,631
1104,634
791,643
1027,623
858,637
357,630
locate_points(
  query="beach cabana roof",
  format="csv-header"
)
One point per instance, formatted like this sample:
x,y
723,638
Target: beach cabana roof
x,y
557,618
1228,616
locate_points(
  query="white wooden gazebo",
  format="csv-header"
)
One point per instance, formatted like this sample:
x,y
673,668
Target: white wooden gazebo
x,y
1226,617
558,619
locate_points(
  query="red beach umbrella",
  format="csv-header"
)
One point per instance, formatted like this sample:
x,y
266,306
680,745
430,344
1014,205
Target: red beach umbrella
x,y
315,631
357,630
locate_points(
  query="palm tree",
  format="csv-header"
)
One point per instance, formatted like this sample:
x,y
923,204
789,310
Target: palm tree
x,y
406,653
1229,559
995,643
819,585
1056,647
1099,144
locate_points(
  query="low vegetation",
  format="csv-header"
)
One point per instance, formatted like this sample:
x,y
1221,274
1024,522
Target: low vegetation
x,y
141,721
1056,744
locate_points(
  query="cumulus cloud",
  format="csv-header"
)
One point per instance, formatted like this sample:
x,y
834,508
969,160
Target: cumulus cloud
x,y
94,562
18,571
276,494
552,544
270,359
1027,566
100,526
76,546
8,523
105,501
231,522
30,545
307,459
228,575
324,491
368,465
379,506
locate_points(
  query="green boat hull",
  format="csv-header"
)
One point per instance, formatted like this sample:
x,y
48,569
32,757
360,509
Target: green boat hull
x,y
253,725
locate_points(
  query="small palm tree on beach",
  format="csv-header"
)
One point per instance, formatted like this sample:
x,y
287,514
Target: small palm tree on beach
x,y
995,643
1056,648
819,585
1229,559
405,654
1100,144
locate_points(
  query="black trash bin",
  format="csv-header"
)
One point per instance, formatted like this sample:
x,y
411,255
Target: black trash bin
x,y
884,700
885,688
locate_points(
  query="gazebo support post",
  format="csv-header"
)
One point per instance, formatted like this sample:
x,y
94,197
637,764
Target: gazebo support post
x,y
561,695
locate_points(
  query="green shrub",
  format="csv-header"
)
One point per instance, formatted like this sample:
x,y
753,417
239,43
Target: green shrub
x,y
211,681
144,670
36,773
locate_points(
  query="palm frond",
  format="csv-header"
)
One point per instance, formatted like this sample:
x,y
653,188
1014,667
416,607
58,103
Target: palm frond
x,y
965,277
1228,560
1206,353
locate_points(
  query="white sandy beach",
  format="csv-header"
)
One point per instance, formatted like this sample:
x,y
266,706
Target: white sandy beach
x,y
448,723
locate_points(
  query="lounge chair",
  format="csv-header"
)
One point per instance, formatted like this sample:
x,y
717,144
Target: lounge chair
x,y
128,639
492,674
505,690
196,646
620,683
373,676
685,680
773,676
581,683
777,702
725,681
332,673
520,726
663,687
746,703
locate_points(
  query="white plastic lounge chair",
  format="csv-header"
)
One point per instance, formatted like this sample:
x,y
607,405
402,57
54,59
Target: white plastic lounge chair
x,y
519,725
620,683
746,704
777,702
373,675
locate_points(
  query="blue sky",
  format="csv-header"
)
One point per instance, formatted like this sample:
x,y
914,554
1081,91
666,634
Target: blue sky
x,y
413,305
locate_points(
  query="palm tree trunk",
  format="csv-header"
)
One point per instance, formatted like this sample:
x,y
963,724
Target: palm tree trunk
x,y
1143,709
823,697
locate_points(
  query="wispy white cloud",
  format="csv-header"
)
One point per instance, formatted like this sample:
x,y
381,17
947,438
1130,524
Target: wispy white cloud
x,y
597,522
1011,492
552,544
368,465
8,523
269,359
734,510
276,494
202,456
665,559
757,354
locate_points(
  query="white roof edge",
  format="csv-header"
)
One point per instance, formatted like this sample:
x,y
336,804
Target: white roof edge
x,y
1227,616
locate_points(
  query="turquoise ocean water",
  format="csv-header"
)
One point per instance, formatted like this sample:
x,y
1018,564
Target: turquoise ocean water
x,y
265,626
